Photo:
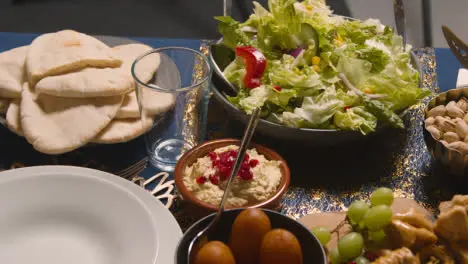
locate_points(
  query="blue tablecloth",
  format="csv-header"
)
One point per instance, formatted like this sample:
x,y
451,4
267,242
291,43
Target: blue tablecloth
x,y
447,68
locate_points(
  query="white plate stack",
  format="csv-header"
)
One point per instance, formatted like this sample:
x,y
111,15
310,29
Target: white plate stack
x,y
61,214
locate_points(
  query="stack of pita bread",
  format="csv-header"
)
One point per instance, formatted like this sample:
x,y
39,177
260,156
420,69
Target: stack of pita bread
x,y
67,89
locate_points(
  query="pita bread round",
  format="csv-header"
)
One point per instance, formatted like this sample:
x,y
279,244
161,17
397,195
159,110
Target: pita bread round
x,y
12,72
4,103
66,51
94,82
146,67
123,130
90,82
129,108
55,125
154,102
13,117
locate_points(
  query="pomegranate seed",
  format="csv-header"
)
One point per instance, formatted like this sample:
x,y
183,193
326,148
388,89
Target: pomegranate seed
x,y
352,262
253,163
277,88
218,175
214,180
246,157
223,158
346,108
212,155
245,165
232,153
229,163
246,175
201,180
215,163
228,173
223,170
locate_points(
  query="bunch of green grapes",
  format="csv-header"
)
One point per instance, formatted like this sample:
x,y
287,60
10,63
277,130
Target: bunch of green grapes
x,y
368,222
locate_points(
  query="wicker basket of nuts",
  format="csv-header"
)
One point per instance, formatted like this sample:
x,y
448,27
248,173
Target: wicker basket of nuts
x,y
446,130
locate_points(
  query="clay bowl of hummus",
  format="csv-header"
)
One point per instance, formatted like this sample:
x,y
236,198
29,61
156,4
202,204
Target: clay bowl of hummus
x,y
201,175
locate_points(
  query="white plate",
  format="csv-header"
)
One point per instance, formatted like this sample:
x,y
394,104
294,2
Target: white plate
x,y
58,216
168,230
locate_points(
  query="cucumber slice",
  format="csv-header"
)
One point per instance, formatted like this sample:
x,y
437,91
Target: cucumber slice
x,y
309,36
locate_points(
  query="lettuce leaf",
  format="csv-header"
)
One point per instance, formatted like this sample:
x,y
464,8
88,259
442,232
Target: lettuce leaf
x,y
357,31
231,31
378,58
284,74
235,72
355,118
319,109
283,99
278,29
356,70
400,94
285,15
292,120
257,98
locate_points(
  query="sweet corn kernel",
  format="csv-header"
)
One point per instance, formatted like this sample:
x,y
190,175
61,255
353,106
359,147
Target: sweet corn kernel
x,y
316,68
338,43
339,38
368,91
315,60
309,7
296,70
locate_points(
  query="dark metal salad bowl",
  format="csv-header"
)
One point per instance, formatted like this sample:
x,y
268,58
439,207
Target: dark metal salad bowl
x,y
221,56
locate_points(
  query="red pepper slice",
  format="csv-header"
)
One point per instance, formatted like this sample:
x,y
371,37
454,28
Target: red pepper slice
x,y
277,88
255,64
346,108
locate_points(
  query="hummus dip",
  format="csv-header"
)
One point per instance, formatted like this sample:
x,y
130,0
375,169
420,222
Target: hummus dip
x,y
257,180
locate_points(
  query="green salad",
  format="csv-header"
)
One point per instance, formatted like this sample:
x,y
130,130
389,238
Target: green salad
x,y
307,68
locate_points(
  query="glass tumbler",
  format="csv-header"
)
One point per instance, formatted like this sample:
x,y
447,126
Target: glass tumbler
x,y
173,101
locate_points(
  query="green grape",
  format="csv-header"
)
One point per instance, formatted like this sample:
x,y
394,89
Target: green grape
x,y
335,256
378,236
378,217
361,260
322,234
361,226
351,245
357,210
381,196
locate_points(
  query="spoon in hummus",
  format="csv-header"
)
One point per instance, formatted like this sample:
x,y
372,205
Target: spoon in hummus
x,y
202,237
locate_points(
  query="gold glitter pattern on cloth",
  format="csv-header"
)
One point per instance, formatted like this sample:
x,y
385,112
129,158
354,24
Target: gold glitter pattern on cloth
x,y
195,100
411,163
205,47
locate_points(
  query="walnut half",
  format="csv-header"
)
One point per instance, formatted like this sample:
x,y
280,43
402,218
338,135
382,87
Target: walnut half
x,y
435,254
452,223
399,256
411,230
